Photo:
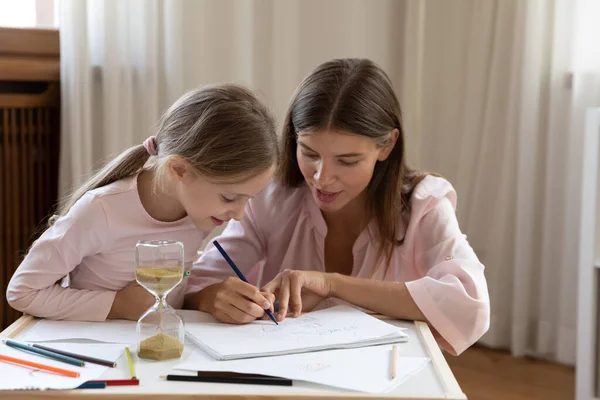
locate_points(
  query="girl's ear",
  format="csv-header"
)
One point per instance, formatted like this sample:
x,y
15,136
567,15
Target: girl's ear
x,y
177,168
385,151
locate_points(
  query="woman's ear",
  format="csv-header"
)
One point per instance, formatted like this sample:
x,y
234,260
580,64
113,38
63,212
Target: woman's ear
x,y
385,151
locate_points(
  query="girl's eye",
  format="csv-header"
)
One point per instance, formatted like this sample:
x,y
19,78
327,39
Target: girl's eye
x,y
226,199
348,163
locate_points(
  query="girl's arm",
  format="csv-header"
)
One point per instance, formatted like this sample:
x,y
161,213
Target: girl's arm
x,y
213,286
34,288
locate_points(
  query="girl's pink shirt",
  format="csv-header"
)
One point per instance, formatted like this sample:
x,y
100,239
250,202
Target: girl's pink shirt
x,y
94,244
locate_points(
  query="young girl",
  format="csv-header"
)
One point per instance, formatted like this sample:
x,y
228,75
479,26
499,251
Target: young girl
x,y
348,220
214,149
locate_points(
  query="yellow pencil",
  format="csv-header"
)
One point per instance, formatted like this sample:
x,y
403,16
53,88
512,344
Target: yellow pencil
x,y
130,362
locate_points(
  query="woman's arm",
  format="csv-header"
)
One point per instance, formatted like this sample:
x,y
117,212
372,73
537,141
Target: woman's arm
x,y
450,291
389,298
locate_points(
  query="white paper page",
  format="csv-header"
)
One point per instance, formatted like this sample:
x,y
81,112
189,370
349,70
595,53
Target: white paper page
x,y
336,327
110,331
366,369
16,377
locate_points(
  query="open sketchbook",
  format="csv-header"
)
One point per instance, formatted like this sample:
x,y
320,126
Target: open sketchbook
x,y
340,327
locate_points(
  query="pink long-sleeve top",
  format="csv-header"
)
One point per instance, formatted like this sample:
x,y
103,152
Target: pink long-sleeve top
x,y
284,229
94,244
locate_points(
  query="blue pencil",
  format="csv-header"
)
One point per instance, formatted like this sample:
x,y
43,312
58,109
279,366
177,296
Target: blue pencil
x,y
92,385
45,353
239,273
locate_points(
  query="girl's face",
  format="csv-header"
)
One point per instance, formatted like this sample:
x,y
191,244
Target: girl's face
x,y
338,165
210,203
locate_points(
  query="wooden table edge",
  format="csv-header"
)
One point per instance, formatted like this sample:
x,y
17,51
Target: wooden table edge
x,y
17,327
449,382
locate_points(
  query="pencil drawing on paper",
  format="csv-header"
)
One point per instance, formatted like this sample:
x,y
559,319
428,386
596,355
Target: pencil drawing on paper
x,y
316,367
270,329
307,327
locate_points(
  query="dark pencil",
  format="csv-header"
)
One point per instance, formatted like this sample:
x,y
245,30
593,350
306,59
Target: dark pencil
x,y
239,273
92,360
230,378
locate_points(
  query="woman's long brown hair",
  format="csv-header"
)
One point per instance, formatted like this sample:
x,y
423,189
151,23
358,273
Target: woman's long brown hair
x,y
356,96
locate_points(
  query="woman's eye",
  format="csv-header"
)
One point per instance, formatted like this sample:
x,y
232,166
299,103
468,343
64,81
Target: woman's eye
x,y
227,200
349,163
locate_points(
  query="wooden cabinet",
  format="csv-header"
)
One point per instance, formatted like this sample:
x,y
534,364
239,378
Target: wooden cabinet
x,y
29,144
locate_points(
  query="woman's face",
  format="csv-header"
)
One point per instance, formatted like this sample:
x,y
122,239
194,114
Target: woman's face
x,y
338,165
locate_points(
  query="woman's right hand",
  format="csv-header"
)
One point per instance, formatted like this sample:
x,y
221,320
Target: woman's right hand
x,y
131,302
235,301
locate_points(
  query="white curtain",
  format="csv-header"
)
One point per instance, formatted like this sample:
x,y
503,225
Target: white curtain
x,y
495,96
124,61
492,92
120,67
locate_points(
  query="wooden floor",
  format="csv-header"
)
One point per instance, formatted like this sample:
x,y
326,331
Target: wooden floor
x,y
485,374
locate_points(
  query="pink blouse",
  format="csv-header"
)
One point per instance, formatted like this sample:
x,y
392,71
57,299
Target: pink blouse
x,y
284,229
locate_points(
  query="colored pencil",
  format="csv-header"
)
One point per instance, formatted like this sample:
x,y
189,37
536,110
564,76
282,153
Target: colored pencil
x,y
239,273
81,357
130,362
92,385
45,353
42,367
119,382
394,361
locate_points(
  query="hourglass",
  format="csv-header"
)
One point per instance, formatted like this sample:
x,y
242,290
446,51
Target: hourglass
x,y
159,269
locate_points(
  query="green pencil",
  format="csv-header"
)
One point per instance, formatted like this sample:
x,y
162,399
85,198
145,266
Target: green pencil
x,y
45,353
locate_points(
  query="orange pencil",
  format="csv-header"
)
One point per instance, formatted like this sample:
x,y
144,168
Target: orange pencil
x,y
43,367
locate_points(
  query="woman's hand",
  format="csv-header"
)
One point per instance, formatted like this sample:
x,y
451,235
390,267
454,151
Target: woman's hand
x,y
298,290
131,302
233,301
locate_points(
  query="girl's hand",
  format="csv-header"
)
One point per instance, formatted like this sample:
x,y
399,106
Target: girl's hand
x,y
235,301
131,302
298,290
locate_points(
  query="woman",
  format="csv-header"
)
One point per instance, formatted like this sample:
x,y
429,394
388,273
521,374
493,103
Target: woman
x,y
346,219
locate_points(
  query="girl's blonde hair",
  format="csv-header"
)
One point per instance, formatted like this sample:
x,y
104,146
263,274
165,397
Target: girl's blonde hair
x,y
223,131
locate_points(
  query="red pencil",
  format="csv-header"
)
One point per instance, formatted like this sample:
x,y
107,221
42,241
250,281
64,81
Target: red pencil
x,y
119,382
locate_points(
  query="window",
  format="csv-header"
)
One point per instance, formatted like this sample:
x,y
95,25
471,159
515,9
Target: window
x,y
28,13
587,32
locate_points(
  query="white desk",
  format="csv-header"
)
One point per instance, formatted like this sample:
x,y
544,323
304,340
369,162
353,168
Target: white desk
x,y
435,381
